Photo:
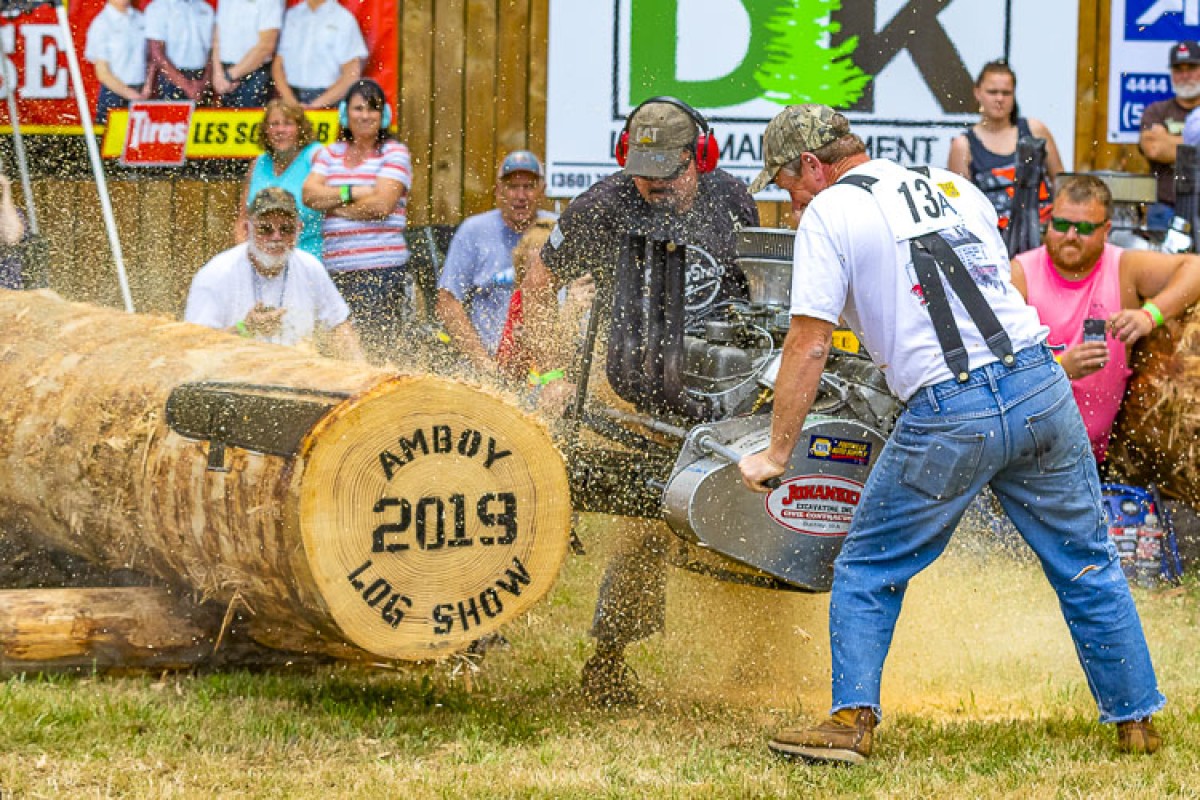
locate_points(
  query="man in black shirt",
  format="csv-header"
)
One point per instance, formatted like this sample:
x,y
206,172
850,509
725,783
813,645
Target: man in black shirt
x,y
668,191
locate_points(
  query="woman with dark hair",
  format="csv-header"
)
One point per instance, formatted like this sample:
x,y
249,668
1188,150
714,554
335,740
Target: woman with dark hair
x,y
361,182
987,153
285,136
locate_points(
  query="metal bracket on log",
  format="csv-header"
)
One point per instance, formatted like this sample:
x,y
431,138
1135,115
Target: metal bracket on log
x,y
265,419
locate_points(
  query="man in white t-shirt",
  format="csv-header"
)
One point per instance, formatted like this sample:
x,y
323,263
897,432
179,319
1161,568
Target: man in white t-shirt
x,y
243,46
268,290
913,262
116,47
321,54
178,43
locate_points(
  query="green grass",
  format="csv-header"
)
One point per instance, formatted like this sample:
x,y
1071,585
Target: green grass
x,y
983,699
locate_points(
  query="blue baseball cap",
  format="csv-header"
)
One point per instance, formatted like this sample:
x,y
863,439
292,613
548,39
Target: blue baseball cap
x,y
520,161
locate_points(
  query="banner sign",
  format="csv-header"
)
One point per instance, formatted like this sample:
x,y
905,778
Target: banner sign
x,y
210,133
35,51
1143,32
158,134
902,70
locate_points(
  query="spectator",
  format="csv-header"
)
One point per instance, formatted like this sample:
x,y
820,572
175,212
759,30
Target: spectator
x,y
361,182
286,138
243,45
1162,128
514,360
268,290
116,47
479,269
179,40
12,232
321,53
1076,275
987,153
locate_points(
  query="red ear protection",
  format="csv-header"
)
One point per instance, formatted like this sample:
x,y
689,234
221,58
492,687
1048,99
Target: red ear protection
x,y
708,152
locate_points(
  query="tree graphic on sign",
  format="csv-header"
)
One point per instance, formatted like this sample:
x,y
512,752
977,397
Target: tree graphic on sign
x,y
801,64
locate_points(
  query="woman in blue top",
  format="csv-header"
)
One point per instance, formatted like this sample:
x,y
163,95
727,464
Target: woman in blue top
x,y
286,138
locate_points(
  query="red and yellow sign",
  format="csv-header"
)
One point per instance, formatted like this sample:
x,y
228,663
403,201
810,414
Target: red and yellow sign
x,y
34,46
210,133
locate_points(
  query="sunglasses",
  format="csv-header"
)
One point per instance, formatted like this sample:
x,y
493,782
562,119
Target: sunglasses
x,y
1085,228
267,229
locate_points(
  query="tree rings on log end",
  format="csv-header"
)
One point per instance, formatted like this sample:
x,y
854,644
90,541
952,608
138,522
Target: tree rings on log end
x,y
431,513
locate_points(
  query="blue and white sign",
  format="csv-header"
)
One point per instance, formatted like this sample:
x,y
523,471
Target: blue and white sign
x,y
1160,20
1143,32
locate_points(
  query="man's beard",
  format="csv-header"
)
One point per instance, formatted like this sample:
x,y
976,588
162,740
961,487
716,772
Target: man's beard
x,y
265,261
1187,90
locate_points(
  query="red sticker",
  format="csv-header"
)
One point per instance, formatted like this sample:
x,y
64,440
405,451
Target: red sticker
x,y
815,505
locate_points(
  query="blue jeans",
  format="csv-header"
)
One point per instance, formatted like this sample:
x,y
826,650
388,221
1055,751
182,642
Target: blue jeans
x,y
253,90
1018,429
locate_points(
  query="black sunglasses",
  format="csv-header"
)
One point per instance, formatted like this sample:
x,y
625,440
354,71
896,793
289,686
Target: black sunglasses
x,y
1085,228
268,229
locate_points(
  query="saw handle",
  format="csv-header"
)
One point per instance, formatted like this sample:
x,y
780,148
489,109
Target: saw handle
x,y
710,445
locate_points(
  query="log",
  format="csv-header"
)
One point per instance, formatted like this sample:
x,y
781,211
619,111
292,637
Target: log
x,y
1157,435
103,629
355,511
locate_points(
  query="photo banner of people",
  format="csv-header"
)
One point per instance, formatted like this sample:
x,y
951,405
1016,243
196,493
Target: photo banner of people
x,y
145,52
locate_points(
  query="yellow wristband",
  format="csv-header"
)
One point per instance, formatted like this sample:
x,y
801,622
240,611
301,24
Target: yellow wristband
x,y
1154,313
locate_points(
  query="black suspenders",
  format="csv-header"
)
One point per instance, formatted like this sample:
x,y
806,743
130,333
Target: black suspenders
x,y
931,254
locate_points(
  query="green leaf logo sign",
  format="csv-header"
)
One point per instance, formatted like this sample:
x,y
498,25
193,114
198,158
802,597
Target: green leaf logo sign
x,y
801,65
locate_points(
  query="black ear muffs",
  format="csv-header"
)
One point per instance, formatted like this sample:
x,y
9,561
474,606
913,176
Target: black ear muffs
x,y
707,151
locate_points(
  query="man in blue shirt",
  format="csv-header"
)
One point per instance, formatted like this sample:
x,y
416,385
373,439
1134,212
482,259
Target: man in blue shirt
x,y
479,273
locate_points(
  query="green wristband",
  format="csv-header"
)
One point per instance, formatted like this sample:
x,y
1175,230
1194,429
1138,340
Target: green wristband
x,y
542,378
346,195
1154,313
240,327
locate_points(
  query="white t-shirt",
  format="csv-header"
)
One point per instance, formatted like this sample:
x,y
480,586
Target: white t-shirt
x,y
852,260
119,39
239,22
316,43
226,288
185,27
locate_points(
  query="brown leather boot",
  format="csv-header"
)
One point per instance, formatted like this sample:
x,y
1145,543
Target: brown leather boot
x,y
844,738
1138,736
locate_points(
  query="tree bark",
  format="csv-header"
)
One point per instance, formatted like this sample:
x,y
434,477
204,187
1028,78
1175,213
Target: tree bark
x,y
354,511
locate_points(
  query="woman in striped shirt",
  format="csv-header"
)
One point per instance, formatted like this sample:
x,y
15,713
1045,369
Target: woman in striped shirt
x,y
361,182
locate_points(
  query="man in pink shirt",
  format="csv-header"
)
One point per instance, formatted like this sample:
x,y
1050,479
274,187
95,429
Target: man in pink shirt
x,y
1076,276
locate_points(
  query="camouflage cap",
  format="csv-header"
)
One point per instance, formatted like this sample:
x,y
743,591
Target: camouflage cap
x,y
794,131
658,133
274,199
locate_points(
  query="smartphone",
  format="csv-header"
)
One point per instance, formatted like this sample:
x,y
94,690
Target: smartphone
x,y
1094,330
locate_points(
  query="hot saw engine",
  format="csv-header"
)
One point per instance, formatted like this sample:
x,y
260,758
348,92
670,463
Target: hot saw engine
x,y
720,372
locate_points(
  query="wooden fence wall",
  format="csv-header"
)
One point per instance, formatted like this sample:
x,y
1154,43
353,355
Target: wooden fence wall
x,y
472,88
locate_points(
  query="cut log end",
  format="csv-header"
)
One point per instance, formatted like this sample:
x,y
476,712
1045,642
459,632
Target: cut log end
x,y
431,515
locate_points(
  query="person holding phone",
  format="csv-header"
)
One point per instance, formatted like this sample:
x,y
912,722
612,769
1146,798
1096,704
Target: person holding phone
x,y
1098,299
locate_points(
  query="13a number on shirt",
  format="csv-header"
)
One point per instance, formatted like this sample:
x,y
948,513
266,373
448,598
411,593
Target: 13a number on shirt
x,y
914,206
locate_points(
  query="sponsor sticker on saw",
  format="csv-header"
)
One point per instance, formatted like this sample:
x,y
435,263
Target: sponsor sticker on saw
x,y
844,451
815,505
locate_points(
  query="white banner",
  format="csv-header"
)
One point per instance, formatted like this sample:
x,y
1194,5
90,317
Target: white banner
x,y
902,70
1143,32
